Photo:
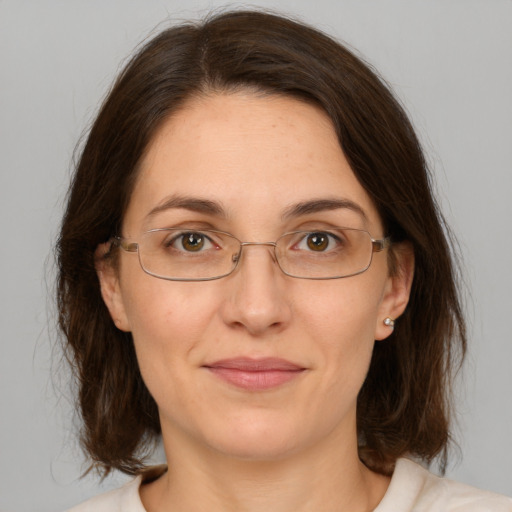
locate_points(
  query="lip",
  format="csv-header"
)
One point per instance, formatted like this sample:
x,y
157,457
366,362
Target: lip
x,y
255,374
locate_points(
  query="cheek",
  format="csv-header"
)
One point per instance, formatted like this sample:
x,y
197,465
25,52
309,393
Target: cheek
x,y
340,317
344,308
167,319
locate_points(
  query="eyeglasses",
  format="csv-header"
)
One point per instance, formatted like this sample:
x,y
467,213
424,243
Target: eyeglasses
x,y
181,254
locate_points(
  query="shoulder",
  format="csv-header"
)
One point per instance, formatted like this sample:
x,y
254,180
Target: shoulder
x,y
124,499
414,489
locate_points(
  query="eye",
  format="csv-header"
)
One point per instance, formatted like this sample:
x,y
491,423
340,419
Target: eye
x,y
318,241
191,241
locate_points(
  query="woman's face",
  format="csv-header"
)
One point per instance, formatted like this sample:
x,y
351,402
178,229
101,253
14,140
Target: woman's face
x,y
257,364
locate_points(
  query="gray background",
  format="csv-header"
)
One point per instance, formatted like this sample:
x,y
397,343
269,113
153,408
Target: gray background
x,y
449,61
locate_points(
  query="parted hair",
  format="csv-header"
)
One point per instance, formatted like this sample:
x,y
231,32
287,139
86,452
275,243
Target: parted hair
x,y
404,406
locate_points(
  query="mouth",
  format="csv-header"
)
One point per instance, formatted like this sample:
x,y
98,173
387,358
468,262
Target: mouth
x,y
255,374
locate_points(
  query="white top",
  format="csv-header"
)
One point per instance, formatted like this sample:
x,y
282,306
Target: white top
x,y
412,489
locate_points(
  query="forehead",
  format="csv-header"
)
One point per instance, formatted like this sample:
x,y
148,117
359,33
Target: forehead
x,y
256,156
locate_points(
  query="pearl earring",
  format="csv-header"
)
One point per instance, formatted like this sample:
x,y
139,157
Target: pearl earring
x,y
389,322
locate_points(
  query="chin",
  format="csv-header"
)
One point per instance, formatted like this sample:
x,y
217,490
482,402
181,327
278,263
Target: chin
x,y
257,440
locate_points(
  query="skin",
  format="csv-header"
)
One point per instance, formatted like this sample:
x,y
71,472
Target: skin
x,y
290,448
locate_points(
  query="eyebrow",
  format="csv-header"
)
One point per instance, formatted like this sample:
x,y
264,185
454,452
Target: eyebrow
x,y
194,204
321,205
209,207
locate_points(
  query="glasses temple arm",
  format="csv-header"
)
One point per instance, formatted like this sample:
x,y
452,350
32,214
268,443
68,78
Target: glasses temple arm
x,y
380,245
117,241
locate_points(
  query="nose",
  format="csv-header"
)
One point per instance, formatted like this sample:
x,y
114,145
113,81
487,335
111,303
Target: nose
x,y
256,298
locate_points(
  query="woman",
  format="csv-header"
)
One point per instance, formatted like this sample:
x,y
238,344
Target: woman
x,y
253,267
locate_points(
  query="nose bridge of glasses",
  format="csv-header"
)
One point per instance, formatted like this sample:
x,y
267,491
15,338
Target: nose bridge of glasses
x,y
243,244
237,256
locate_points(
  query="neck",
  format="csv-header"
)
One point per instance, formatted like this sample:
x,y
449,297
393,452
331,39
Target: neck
x,y
317,479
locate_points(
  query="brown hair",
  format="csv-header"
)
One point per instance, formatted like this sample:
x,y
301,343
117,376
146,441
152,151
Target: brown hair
x,y
404,405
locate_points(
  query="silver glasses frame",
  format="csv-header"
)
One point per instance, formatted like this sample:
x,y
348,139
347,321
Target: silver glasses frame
x,y
127,245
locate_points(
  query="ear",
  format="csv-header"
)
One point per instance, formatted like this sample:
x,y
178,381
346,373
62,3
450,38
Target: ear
x,y
110,288
397,290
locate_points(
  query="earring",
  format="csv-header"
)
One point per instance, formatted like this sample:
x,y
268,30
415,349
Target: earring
x,y
390,322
